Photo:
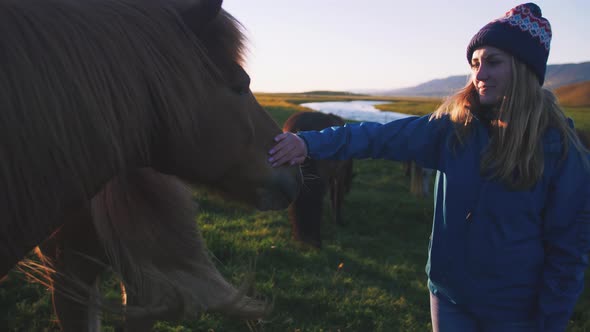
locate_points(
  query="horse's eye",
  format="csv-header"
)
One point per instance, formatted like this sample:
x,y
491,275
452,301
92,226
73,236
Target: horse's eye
x,y
240,81
242,85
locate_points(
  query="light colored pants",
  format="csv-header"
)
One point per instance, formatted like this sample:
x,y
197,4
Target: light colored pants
x,y
449,317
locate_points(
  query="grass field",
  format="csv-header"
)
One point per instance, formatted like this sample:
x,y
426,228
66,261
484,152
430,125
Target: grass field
x,y
368,277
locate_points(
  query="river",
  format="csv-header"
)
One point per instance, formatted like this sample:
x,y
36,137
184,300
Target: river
x,y
359,110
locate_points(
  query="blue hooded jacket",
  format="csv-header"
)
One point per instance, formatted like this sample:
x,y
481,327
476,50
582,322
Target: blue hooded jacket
x,y
501,254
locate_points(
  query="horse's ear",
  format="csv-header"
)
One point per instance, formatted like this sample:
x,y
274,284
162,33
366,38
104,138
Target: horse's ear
x,y
199,13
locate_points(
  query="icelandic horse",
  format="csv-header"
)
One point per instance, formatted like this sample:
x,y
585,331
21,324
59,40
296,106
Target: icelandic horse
x,y
110,109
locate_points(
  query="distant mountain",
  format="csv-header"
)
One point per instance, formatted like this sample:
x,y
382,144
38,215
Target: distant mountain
x,y
435,88
560,75
557,76
577,94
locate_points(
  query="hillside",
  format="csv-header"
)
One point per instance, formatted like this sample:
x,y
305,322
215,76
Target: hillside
x,y
566,74
557,76
435,88
574,95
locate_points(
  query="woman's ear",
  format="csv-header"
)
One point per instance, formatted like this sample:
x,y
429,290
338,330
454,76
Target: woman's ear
x,y
199,13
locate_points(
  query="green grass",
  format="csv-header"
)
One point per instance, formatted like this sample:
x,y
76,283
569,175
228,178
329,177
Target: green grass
x,y
581,117
416,106
368,277
381,285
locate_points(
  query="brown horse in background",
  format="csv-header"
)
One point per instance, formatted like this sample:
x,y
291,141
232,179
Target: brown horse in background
x,y
107,105
305,213
420,178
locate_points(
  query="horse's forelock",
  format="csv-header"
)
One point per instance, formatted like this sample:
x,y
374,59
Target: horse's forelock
x,y
236,38
223,37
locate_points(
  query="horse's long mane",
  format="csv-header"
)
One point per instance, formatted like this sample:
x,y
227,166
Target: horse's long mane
x,y
84,84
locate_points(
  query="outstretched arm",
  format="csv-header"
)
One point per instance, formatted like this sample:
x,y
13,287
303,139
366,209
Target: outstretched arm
x,y
412,138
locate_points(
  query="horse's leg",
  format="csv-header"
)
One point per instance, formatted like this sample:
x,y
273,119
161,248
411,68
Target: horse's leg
x,y
340,183
135,323
138,323
337,196
75,252
334,199
416,180
305,213
426,180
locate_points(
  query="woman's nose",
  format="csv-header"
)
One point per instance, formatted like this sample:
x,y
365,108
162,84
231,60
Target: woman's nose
x,y
481,74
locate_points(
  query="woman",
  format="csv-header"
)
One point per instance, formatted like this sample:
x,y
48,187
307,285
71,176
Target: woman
x,y
511,231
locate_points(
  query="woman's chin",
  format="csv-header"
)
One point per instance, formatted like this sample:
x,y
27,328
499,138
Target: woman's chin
x,y
489,100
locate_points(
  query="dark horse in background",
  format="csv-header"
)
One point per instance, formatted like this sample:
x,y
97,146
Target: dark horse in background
x,y
320,176
420,178
108,108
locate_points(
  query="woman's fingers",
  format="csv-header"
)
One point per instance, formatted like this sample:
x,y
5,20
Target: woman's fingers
x,y
289,149
284,153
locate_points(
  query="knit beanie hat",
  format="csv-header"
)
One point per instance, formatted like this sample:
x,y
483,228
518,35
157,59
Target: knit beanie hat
x,y
522,32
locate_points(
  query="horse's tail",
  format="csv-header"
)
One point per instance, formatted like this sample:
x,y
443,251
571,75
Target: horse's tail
x,y
146,224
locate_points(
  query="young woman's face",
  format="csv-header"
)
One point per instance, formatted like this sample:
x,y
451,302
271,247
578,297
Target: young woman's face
x,y
491,72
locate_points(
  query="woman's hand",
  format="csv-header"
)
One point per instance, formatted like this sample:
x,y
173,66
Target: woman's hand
x,y
290,149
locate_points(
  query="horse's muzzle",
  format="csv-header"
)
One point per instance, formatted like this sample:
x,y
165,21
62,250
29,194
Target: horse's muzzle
x,y
281,191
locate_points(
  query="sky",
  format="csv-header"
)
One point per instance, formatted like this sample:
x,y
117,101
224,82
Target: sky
x,y
345,45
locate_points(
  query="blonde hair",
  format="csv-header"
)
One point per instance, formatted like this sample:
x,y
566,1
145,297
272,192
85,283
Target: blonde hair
x,y
515,153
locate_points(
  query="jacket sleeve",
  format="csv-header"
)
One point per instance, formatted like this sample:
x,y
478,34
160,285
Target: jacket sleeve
x,y
566,241
411,138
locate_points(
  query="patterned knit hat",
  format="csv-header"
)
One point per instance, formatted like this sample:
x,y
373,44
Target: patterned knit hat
x,y
523,33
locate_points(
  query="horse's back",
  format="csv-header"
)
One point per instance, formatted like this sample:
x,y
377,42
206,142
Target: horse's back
x,y
301,121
